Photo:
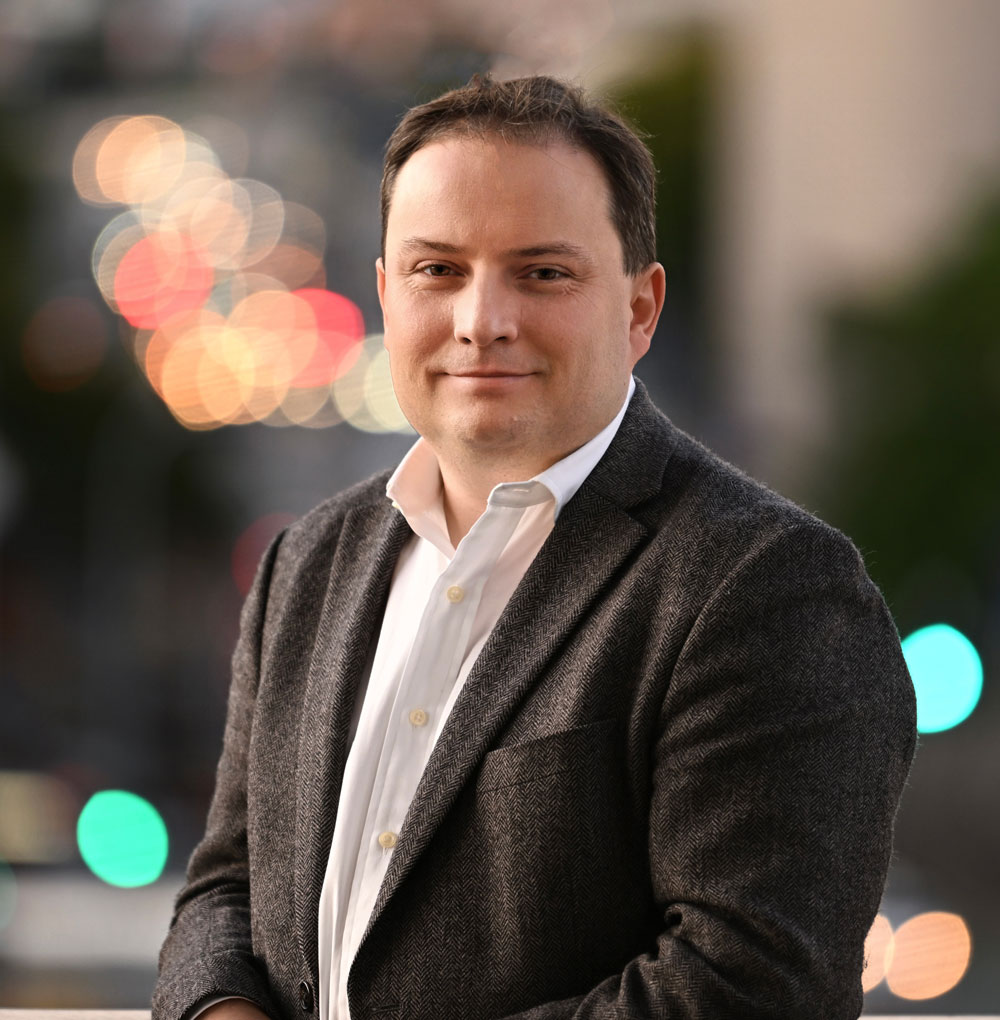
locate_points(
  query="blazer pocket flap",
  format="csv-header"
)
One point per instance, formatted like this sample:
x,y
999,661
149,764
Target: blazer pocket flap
x,y
564,751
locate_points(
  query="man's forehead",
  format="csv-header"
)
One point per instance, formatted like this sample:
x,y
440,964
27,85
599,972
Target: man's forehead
x,y
546,196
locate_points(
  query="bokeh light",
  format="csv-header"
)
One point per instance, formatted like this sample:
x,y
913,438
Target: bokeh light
x,y
137,160
878,952
85,161
293,265
217,217
947,676
64,343
266,222
181,208
305,228
37,816
364,395
380,397
122,838
8,894
931,953
159,276
339,329
197,380
223,285
111,246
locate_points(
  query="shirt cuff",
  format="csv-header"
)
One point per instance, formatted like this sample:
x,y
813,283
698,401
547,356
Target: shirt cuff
x,y
195,1011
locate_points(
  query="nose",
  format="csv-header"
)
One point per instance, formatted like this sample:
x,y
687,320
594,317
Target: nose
x,y
486,310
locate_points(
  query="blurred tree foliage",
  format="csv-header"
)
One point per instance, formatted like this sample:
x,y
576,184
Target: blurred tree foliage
x,y
672,101
917,467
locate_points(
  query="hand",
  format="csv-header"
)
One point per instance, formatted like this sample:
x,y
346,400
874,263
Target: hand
x,y
233,1009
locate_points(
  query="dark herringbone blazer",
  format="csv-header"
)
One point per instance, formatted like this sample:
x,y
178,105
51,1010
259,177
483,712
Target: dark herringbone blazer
x,y
666,788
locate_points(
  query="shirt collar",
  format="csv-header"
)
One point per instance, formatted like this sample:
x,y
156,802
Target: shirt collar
x,y
415,486
568,474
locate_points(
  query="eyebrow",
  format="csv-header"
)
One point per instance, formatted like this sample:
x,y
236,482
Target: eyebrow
x,y
412,244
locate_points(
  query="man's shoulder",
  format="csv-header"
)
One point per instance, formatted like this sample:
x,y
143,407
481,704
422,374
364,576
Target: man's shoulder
x,y
700,484
692,499
369,493
322,525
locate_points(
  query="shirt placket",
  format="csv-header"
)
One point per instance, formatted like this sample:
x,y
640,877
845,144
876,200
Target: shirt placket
x,y
427,680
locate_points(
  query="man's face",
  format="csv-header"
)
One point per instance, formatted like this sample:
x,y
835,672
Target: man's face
x,y
510,324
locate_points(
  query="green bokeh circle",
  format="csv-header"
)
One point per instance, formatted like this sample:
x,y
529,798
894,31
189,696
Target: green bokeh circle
x,y
122,838
947,675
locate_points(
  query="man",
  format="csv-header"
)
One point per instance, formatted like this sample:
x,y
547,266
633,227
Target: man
x,y
567,718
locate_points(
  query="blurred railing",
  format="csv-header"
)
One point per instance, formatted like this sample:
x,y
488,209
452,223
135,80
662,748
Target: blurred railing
x,y
74,1014
143,1014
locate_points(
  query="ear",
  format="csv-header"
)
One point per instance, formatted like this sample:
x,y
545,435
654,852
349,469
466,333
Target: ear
x,y
380,283
648,290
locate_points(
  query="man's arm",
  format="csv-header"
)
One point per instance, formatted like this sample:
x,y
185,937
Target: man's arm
x,y
785,738
208,949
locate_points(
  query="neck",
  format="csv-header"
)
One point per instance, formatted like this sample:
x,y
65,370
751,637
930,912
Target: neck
x,y
461,510
465,488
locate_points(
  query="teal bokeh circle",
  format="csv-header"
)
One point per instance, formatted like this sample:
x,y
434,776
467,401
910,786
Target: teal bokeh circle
x,y
947,676
122,838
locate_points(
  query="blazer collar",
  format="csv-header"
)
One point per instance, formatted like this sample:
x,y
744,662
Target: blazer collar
x,y
633,469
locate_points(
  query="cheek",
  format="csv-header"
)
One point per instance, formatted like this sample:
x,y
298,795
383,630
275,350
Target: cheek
x,y
408,351
412,326
402,363
411,350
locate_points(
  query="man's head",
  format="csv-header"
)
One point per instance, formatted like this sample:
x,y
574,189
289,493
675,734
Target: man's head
x,y
513,310
537,111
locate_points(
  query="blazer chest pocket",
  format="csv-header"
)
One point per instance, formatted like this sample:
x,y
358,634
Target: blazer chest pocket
x,y
580,748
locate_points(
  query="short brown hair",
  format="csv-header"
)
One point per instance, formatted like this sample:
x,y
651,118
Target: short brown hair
x,y
537,110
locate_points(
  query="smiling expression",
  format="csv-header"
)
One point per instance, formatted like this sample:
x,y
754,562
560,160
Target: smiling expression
x,y
510,323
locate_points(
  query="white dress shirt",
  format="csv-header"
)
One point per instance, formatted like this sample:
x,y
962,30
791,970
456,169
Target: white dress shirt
x,y
442,606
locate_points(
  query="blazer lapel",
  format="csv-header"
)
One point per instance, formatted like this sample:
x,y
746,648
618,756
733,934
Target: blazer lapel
x,y
367,548
567,575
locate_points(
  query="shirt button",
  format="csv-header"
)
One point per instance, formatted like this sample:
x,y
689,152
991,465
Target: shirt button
x,y
387,840
455,593
418,717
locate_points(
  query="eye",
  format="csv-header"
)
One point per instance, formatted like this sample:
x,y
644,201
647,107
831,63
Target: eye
x,y
435,269
547,273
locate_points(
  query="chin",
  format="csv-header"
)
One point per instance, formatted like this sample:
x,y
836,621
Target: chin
x,y
489,432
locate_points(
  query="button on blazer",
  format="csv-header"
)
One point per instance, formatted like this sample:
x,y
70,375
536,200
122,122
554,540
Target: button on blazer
x,y
666,788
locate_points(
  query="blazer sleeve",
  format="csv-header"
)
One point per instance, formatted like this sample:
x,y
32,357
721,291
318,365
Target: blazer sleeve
x,y
781,751
208,952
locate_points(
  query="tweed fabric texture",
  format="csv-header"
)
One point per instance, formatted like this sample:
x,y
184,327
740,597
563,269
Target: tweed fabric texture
x,y
666,788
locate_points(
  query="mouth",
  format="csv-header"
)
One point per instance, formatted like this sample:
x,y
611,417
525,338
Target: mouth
x,y
488,373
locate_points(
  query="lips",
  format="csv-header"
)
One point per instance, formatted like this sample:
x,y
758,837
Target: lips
x,y
487,373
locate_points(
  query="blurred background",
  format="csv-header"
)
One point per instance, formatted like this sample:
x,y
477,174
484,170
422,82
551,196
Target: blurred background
x,y
190,357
